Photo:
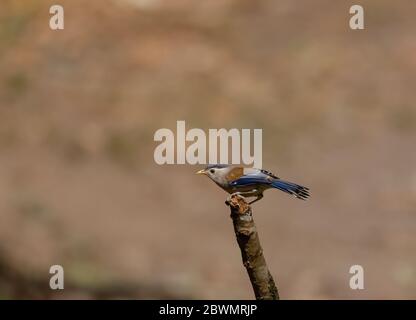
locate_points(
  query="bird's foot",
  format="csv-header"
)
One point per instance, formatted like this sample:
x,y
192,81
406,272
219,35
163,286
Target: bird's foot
x,y
230,196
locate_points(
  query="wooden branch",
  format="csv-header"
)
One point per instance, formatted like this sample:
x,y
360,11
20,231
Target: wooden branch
x,y
251,251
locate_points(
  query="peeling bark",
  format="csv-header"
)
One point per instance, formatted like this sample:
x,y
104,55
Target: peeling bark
x,y
251,250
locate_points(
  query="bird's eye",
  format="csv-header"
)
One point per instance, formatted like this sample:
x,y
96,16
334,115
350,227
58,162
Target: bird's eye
x,y
212,170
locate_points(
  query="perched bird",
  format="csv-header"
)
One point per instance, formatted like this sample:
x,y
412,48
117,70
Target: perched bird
x,y
251,182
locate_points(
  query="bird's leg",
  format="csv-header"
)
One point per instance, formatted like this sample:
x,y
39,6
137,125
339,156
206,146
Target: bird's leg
x,y
259,197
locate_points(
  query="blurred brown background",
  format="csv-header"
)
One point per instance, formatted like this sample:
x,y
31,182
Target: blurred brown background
x,y
79,107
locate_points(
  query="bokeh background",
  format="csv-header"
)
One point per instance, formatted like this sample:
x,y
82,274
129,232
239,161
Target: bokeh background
x,y
79,107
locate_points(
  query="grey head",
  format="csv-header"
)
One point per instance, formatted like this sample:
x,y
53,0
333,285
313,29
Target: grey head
x,y
217,173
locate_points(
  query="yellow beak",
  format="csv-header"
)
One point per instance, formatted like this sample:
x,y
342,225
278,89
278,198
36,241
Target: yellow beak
x,y
201,172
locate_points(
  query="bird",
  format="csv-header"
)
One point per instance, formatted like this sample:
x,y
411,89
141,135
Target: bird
x,y
250,182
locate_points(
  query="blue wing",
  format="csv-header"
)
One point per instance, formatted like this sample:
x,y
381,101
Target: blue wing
x,y
256,178
251,179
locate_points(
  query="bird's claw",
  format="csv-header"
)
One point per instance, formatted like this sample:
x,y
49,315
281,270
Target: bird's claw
x,y
230,196
228,200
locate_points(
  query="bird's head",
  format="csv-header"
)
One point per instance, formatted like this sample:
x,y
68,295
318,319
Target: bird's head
x,y
215,172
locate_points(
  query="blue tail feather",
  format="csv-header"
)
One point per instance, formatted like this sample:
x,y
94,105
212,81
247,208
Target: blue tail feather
x,y
298,191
